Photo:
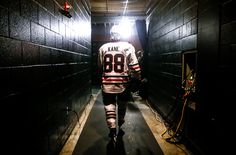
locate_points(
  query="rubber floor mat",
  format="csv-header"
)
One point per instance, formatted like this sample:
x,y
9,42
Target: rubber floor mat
x,y
135,139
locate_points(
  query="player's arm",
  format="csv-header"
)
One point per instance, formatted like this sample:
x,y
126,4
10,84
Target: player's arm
x,y
100,57
100,63
134,64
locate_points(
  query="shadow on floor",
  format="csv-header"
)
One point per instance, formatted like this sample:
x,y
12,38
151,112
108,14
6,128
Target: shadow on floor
x,y
135,139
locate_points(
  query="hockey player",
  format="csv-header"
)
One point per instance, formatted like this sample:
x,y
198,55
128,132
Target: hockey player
x,y
118,62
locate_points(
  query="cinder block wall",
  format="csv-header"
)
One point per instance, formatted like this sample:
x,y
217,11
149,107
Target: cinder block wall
x,y
44,73
172,30
207,27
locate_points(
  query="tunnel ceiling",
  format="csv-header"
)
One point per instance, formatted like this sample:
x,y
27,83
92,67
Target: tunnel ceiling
x,y
109,10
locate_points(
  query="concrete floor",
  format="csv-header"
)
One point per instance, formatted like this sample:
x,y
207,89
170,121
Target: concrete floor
x,y
157,126
153,120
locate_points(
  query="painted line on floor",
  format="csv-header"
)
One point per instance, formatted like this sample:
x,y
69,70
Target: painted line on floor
x,y
156,125
70,144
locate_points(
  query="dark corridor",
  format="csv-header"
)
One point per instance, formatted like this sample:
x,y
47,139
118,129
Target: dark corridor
x,y
48,68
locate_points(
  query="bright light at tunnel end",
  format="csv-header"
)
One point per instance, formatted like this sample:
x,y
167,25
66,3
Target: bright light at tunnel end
x,y
125,28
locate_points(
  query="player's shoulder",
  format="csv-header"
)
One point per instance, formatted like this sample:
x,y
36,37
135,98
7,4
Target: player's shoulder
x,y
125,43
105,45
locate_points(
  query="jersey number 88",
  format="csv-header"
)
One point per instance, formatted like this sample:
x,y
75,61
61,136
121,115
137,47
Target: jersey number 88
x,y
114,63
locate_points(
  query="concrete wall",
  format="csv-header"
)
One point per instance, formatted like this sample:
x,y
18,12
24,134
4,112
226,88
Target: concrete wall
x,y
44,70
172,30
208,28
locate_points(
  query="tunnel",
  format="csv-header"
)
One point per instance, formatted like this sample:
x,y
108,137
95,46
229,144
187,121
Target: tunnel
x,y
50,82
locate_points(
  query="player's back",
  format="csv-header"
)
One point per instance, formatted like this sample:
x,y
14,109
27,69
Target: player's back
x,y
116,58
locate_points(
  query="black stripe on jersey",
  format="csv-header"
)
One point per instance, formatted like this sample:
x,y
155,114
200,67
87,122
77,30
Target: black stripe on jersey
x,y
134,71
133,64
